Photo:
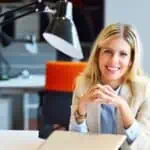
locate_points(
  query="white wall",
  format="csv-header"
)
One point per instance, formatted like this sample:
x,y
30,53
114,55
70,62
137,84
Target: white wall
x,y
133,12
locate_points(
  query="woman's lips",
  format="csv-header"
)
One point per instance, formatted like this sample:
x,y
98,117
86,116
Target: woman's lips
x,y
112,69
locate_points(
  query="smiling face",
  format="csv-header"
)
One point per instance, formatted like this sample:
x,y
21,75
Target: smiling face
x,y
114,60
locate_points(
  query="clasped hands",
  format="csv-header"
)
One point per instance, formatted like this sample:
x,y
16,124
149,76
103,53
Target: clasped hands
x,y
100,94
104,94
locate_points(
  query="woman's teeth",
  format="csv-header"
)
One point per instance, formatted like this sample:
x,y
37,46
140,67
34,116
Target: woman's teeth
x,y
113,68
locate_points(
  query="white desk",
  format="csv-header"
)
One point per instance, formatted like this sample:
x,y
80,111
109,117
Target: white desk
x,y
19,85
19,140
35,83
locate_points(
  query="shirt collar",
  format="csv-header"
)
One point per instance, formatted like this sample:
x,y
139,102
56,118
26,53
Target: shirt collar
x,y
118,90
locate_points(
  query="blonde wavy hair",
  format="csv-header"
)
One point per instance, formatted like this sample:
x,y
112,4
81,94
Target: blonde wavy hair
x,y
91,73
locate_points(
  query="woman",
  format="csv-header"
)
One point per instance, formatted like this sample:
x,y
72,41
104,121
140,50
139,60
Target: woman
x,y
111,95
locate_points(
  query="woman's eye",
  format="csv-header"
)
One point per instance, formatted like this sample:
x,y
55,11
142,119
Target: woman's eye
x,y
123,54
107,51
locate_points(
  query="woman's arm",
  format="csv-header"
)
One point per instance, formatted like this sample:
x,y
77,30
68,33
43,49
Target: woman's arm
x,y
74,125
143,121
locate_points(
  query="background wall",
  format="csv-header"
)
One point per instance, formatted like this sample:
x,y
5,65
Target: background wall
x,y
136,13
19,57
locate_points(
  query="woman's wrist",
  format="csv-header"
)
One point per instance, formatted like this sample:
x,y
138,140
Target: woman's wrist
x,y
82,107
80,113
126,113
80,118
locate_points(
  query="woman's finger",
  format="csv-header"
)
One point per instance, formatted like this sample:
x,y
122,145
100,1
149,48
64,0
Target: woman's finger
x,y
109,88
96,87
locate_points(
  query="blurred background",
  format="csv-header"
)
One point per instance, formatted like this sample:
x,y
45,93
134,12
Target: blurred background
x,y
90,16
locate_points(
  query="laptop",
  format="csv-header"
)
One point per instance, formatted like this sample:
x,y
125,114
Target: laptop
x,y
67,140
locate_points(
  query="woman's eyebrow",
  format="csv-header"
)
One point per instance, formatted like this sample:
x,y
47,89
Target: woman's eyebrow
x,y
124,51
107,48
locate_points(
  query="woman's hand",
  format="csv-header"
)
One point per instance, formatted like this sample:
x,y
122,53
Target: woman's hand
x,y
104,94
96,94
122,105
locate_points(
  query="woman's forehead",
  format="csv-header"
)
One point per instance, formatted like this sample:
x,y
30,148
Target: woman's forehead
x,y
114,41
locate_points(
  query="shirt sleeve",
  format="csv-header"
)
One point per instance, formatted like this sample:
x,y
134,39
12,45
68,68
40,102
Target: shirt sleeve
x,y
79,127
132,132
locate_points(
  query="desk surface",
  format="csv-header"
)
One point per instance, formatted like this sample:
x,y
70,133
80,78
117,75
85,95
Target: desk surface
x,y
18,85
19,140
33,84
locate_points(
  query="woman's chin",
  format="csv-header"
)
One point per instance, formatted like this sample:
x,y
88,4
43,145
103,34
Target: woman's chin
x,y
112,78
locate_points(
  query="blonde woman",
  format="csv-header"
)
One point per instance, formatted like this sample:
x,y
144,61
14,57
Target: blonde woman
x,y
111,94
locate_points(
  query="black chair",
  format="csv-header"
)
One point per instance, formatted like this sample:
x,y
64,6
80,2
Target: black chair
x,y
55,101
54,110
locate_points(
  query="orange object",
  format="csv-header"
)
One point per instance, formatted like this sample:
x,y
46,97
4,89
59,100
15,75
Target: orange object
x,y
60,75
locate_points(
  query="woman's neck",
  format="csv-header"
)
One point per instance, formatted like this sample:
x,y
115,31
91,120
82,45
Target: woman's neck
x,y
113,84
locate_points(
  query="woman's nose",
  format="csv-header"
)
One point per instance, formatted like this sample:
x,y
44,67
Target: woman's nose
x,y
114,59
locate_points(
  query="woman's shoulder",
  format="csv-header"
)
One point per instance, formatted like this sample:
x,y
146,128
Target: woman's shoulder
x,y
140,86
141,82
144,80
